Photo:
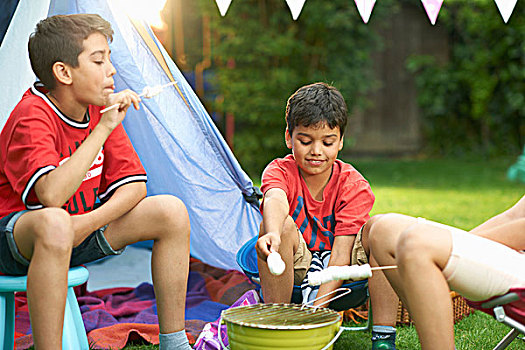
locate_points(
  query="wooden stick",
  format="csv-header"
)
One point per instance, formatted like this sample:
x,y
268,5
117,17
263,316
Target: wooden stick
x,y
384,267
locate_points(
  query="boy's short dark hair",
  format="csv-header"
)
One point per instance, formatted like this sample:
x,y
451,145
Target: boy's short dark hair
x,y
59,39
315,104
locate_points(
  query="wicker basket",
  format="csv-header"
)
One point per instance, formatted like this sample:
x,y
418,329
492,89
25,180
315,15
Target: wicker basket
x,y
460,306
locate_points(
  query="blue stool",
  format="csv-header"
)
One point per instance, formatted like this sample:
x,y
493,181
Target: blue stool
x,y
74,336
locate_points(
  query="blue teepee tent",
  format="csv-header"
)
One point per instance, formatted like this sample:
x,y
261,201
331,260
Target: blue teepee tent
x,y
179,145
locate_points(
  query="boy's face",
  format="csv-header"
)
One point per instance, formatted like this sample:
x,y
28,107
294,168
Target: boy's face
x,y
315,148
92,79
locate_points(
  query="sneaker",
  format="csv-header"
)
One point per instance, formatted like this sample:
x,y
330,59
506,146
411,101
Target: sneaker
x,y
383,341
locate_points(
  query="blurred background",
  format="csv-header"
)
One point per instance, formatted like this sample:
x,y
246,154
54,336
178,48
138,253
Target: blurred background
x,y
455,89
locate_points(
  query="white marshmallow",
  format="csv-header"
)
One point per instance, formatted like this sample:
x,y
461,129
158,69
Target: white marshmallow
x,y
275,263
150,91
336,273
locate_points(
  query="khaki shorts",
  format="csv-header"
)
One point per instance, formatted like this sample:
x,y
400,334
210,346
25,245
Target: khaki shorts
x,y
303,257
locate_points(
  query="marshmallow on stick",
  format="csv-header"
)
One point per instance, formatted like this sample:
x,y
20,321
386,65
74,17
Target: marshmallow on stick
x,y
275,263
335,273
148,92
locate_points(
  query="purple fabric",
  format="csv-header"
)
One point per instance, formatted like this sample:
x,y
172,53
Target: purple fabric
x,y
209,337
120,312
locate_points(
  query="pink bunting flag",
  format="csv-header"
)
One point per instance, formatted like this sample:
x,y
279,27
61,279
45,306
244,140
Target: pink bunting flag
x,y
505,8
296,7
365,8
223,6
432,7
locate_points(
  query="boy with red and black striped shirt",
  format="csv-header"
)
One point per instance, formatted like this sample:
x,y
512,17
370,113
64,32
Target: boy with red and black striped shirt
x,y
314,207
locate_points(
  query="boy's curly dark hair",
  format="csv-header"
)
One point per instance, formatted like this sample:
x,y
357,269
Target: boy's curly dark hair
x,y
59,39
314,105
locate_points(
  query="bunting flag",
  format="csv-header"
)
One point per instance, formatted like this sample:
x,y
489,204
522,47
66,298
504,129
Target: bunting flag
x,y
223,6
365,8
505,8
295,7
432,7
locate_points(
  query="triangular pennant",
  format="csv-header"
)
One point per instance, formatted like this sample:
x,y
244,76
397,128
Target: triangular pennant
x,y
432,7
295,7
506,7
365,8
223,6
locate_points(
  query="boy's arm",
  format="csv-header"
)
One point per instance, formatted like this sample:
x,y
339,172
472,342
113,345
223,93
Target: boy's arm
x,y
122,201
275,211
341,256
506,228
510,233
56,187
517,211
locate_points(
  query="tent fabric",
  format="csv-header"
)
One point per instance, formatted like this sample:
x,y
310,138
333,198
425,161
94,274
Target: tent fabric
x,y
15,71
177,142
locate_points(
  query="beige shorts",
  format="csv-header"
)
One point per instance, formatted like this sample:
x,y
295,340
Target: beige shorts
x,y
303,257
479,268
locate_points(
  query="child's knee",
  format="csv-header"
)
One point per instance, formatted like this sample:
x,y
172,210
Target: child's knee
x,y
412,244
378,228
170,210
54,230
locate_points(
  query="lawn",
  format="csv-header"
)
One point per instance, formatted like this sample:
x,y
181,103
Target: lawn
x,y
462,193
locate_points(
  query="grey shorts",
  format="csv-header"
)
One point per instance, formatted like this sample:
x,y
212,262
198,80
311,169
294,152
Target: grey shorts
x,y
94,247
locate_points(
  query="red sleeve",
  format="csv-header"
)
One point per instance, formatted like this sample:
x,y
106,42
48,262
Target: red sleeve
x,y
274,176
121,164
353,208
31,154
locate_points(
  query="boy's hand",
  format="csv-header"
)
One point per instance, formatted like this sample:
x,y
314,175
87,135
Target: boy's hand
x,y
112,118
268,243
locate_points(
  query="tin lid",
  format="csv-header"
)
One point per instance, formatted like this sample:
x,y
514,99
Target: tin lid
x,y
280,316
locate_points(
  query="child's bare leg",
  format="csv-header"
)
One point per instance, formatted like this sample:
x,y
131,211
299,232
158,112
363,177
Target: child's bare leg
x,y
421,251
278,289
46,237
422,254
382,233
163,219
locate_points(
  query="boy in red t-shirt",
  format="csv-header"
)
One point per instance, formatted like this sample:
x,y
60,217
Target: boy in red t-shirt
x,y
315,205
58,154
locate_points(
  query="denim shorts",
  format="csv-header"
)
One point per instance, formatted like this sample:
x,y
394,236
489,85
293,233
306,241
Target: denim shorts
x,y
94,247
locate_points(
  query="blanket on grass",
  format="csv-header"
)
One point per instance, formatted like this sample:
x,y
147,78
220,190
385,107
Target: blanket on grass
x,y
113,317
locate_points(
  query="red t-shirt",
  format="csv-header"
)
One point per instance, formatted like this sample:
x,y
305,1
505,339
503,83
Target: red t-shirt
x,y
347,201
38,137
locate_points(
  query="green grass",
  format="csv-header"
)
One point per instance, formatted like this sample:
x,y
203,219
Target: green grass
x,y
455,192
461,193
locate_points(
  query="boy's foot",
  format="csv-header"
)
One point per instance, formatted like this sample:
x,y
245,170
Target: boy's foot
x,y
383,341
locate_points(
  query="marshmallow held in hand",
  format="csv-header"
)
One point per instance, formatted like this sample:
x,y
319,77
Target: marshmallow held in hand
x,y
336,273
275,263
150,91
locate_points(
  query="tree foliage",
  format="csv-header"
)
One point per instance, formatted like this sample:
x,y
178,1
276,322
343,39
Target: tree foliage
x,y
475,104
261,56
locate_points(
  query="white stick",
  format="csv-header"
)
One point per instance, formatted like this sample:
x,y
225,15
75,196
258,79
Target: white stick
x,y
148,92
336,273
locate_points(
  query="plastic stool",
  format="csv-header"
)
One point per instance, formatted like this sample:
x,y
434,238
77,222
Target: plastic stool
x,y
74,335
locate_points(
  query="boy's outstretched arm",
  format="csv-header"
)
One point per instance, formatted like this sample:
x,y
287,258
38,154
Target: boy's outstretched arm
x,y
56,187
122,201
275,212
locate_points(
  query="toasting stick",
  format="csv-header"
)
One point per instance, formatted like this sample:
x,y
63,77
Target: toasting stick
x,y
148,92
